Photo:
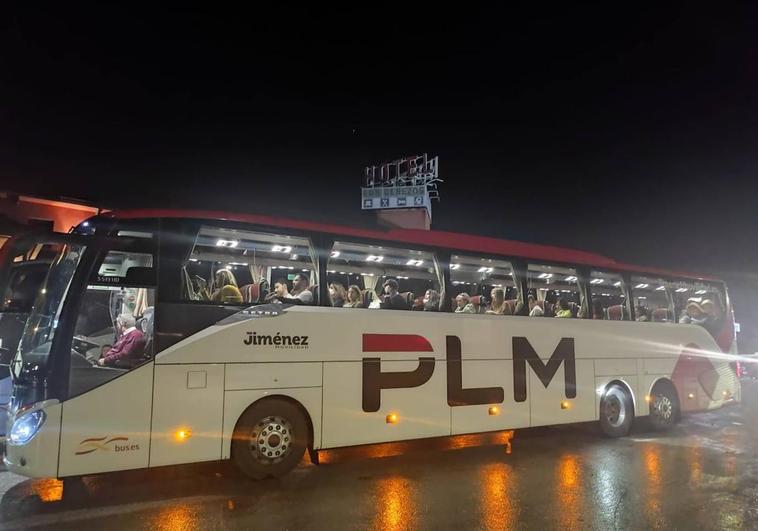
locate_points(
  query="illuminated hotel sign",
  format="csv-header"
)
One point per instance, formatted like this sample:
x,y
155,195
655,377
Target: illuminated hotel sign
x,y
410,182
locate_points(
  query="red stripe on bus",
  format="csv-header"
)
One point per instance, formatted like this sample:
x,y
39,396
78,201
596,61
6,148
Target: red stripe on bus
x,y
395,343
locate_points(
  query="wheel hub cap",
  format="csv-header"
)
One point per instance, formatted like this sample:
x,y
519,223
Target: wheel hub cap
x,y
614,411
271,439
665,407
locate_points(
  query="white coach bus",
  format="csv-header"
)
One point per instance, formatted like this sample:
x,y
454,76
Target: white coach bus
x,y
168,337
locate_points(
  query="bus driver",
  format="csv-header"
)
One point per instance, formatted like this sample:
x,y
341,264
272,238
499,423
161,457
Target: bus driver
x,y
129,346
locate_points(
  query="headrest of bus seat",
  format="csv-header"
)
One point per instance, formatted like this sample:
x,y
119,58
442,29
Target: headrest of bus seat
x,y
660,314
250,292
140,276
616,313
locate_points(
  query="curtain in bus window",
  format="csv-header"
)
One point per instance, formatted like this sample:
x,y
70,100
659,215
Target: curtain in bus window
x,y
370,282
257,272
140,302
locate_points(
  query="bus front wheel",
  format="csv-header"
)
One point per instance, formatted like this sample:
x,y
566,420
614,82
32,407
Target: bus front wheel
x,y
270,438
616,411
664,406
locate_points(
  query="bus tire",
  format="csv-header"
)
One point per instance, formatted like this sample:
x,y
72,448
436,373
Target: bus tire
x,y
664,406
616,411
270,438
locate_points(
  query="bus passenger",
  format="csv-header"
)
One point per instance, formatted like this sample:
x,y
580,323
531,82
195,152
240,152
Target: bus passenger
x,y
392,300
431,301
642,313
498,306
337,294
129,347
693,314
713,316
281,291
463,304
353,297
535,310
564,309
300,289
226,291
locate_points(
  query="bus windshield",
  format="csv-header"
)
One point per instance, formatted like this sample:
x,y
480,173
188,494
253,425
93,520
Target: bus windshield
x,y
34,348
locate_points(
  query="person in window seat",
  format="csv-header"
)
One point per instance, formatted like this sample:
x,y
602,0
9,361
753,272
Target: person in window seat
x,y
463,304
130,345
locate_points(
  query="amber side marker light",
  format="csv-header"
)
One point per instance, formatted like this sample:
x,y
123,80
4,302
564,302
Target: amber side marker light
x,y
392,418
648,398
182,434
493,410
565,405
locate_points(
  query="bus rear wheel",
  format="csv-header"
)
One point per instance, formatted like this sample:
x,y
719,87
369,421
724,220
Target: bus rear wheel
x,y
616,411
664,406
270,438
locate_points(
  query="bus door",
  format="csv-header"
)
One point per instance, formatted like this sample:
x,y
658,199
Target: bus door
x,y
106,417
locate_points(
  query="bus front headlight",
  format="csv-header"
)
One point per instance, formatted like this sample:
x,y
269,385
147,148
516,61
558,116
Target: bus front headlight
x,y
26,427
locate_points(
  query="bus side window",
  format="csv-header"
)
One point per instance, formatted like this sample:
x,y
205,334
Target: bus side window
x,y
368,276
698,303
554,290
608,297
651,300
483,285
237,267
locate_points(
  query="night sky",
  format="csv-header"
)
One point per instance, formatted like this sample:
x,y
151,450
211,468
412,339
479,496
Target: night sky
x,y
632,133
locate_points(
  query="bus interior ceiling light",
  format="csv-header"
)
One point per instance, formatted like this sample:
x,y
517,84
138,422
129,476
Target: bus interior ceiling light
x,y
455,266
413,262
545,275
484,270
661,288
570,279
227,243
281,248
374,258
641,286
335,254
596,281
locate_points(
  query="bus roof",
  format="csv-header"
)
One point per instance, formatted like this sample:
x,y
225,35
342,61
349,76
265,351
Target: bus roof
x,y
451,240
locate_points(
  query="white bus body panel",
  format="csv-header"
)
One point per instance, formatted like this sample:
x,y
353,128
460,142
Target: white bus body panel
x,y
638,354
477,418
272,375
108,428
423,411
188,398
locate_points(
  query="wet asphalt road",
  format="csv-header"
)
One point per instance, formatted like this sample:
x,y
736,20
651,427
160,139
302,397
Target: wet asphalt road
x,y
701,475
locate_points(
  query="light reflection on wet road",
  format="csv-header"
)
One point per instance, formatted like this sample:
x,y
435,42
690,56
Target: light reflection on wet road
x,y
703,475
